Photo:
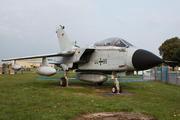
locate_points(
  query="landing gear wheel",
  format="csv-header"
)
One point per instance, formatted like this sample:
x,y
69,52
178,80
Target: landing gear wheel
x,y
120,89
63,81
114,89
100,84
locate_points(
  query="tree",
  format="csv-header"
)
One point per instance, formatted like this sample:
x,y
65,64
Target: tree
x,y
170,50
176,55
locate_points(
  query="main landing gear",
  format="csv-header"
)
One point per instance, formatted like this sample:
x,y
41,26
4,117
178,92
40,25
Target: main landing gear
x,y
100,84
117,88
64,80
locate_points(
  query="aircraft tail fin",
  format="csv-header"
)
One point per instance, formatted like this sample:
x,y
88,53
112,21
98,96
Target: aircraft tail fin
x,y
64,42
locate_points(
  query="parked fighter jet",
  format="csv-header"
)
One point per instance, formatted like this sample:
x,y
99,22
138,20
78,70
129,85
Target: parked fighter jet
x,y
111,56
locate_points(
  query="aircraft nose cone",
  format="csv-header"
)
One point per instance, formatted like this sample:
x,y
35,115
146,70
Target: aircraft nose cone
x,y
143,59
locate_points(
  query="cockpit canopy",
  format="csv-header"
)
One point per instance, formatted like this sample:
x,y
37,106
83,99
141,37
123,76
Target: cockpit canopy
x,y
118,42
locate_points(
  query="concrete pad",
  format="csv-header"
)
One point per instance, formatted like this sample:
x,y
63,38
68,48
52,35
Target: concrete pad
x,y
101,92
115,116
110,94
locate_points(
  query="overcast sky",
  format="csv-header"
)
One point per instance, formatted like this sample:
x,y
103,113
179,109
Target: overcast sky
x,y
27,27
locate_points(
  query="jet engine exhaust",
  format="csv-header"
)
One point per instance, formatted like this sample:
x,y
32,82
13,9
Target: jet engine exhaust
x,y
143,60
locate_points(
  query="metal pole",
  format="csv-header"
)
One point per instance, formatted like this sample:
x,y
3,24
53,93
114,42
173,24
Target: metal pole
x,y
176,75
162,75
168,74
113,75
155,74
76,75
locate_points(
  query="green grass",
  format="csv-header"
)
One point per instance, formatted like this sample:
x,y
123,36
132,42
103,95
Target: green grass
x,y
22,97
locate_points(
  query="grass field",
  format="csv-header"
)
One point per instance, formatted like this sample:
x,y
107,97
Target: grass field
x,y
22,97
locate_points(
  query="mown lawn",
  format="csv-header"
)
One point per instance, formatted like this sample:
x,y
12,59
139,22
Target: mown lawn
x,y
22,97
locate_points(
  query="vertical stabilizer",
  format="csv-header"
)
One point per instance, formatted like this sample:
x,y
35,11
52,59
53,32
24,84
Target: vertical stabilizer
x,y
64,42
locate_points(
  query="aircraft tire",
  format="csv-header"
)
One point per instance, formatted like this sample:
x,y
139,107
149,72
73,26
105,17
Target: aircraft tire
x,y
114,89
100,83
63,81
120,89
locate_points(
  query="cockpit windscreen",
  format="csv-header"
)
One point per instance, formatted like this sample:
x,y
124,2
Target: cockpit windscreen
x,y
118,42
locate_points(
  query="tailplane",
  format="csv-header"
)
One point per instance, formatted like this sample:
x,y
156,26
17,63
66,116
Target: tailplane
x,y
64,42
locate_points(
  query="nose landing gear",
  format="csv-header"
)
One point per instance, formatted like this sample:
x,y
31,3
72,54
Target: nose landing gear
x,y
117,88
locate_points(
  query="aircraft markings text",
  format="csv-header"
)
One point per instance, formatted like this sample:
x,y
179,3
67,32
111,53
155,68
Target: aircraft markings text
x,y
103,61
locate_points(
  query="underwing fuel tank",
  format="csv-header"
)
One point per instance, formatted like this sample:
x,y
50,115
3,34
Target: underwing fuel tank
x,y
46,70
16,67
92,77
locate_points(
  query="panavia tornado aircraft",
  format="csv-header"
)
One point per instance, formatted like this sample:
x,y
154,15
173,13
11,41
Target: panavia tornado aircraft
x,y
111,56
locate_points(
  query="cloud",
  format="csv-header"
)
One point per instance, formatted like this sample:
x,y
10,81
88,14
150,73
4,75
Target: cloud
x,y
4,28
121,19
155,18
21,37
32,23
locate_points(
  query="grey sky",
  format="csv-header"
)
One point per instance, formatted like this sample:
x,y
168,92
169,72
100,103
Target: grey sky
x,y
28,27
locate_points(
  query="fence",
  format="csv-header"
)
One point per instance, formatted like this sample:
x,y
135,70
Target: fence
x,y
145,76
163,74
50,77
160,74
2,70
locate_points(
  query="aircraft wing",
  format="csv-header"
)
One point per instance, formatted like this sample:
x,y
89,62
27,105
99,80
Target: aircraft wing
x,y
64,53
50,62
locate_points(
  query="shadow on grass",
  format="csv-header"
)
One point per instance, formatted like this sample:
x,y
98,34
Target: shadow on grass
x,y
106,85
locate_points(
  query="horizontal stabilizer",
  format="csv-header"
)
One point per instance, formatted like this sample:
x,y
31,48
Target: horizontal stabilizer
x,y
64,53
